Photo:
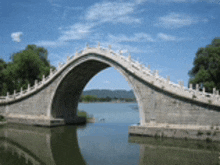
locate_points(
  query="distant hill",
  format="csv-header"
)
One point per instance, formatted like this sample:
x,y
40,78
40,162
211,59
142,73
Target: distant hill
x,y
103,93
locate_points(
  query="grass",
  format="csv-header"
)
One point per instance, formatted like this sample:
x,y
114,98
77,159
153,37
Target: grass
x,y
84,114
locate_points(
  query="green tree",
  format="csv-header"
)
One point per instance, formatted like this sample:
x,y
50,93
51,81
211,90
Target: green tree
x,y
3,66
26,66
206,69
88,98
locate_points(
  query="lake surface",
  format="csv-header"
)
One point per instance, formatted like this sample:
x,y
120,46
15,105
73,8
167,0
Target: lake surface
x,y
103,142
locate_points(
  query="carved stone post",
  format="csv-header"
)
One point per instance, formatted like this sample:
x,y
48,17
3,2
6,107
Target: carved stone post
x,y
7,96
203,90
14,94
157,74
129,58
68,59
35,86
214,91
28,88
197,87
21,92
98,45
190,87
43,79
76,54
168,79
59,66
51,72
120,52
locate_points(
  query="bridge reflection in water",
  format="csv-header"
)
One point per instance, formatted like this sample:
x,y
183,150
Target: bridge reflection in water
x,y
21,144
36,145
167,151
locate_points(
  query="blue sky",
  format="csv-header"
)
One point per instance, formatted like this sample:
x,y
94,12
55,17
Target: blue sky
x,y
159,33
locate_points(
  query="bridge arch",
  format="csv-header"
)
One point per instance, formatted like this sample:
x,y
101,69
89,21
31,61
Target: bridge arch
x,y
69,88
54,100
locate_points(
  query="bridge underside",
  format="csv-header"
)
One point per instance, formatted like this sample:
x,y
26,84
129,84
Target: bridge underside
x,y
67,96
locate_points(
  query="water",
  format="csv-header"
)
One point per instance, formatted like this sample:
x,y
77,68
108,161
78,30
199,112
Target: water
x,y
104,142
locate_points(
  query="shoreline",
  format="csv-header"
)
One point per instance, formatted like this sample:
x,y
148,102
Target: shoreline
x,y
106,102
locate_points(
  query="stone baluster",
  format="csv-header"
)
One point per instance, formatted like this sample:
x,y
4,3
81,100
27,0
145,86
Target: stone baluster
x,y
14,93
43,79
214,91
203,90
181,84
51,72
36,84
141,66
197,87
120,52
68,59
190,87
157,74
98,45
59,66
129,58
76,54
21,92
87,46
28,89
168,79
7,96
110,47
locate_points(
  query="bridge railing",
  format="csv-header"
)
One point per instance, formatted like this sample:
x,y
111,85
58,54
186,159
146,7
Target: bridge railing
x,y
133,66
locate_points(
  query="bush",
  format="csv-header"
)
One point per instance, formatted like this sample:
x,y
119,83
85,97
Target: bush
x,y
2,118
199,133
208,140
208,133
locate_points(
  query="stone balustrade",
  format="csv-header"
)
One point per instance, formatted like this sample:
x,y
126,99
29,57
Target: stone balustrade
x,y
131,65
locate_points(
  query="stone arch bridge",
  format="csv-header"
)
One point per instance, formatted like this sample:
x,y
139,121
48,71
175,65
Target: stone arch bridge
x,y
54,100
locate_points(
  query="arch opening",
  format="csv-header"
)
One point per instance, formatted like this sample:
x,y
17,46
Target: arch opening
x,y
66,97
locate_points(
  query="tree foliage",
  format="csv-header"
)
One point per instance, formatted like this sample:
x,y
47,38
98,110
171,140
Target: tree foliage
x,y
206,69
25,67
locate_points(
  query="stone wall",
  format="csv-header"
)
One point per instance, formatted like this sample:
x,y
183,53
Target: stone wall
x,y
163,107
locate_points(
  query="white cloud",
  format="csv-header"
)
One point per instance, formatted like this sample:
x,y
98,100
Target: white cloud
x,y
50,43
177,1
166,37
16,36
142,37
137,37
76,32
114,12
175,20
